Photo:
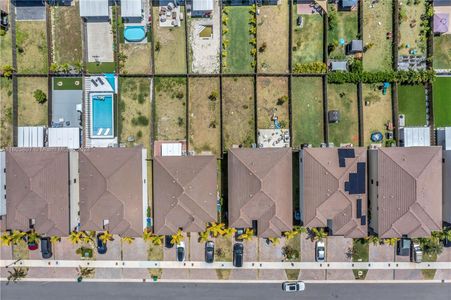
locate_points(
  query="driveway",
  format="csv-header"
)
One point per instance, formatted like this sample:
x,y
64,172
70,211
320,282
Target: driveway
x,y
407,274
308,255
114,252
250,254
338,249
170,255
197,253
381,253
100,42
271,253
446,257
6,253
137,250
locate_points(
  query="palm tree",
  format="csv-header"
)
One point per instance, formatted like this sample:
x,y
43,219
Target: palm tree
x,y
375,240
106,236
247,235
229,232
18,236
318,234
156,240
6,239
216,228
274,240
88,236
84,273
55,239
300,229
16,274
147,235
128,239
32,236
75,237
203,236
390,241
177,238
290,234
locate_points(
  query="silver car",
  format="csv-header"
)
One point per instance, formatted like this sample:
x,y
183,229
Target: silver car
x,y
320,251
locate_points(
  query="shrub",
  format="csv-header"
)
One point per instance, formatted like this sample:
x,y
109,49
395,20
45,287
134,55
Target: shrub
x,y
310,68
7,71
140,120
139,134
157,46
180,121
282,100
40,96
179,95
290,253
262,47
213,96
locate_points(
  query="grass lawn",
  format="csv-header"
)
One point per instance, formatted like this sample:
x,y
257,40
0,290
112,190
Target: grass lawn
x,y
31,43
6,114
239,56
6,49
377,21
343,97
307,43
272,30
170,47
155,253
360,253
428,274
31,113
410,29
238,111
377,110
347,29
204,114
442,101
223,252
134,111
412,103
67,83
442,52
269,91
170,108
307,111
295,243
66,30
102,67
138,58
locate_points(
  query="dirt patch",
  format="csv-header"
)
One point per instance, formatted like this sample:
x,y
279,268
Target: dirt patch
x,y
410,37
138,58
272,99
31,113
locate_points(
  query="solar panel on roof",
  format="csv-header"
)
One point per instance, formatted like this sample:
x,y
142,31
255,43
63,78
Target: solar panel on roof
x,y
359,208
356,183
363,220
343,154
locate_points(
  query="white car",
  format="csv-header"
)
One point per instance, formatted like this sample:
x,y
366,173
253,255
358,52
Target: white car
x,y
320,251
180,251
293,286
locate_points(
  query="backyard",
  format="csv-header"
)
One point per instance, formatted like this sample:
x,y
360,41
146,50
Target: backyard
x,y
442,52
307,46
442,101
343,27
204,116
6,114
343,98
238,58
169,46
134,112
170,108
6,49
31,44
377,22
307,111
137,58
238,111
66,34
272,100
411,38
31,113
377,110
412,104
273,22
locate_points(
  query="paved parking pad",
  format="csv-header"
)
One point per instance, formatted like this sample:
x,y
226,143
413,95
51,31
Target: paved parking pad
x,y
407,274
308,255
381,253
137,250
65,250
197,253
170,255
445,256
250,254
271,253
114,249
339,249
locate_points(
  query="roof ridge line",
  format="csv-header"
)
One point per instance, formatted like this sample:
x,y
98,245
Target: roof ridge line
x,y
322,165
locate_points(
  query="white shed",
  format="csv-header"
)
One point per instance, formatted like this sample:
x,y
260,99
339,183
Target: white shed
x,y
64,137
131,8
94,8
415,136
202,5
30,136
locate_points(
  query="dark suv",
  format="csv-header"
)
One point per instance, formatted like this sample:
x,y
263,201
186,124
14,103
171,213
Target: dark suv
x,y
209,252
46,247
101,246
238,255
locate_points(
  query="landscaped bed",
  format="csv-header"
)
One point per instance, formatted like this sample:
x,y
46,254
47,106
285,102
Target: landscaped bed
x,y
134,111
377,110
6,114
272,100
101,67
170,108
360,253
31,113
410,36
66,30
412,104
238,111
204,116
223,252
6,49
442,101
295,245
442,52
272,31
307,43
169,46
345,27
238,57
343,97
307,111
137,59
377,22
31,44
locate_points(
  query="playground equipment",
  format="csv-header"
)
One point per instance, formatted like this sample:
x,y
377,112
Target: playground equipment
x,y
385,87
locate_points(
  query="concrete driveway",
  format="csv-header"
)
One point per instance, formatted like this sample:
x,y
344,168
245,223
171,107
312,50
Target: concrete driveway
x,y
271,253
114,252
250,254
338,249
446,257
197,253
381,253
170,255
308,255
100,42
137,250
407,274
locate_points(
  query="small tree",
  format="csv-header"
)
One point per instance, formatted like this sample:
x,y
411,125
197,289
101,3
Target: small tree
x,y
128,240
75,237
213,96
8,71
84,273
16,275
40,96
262,47
203,236
282,100
6,239
105,237
177,238
247,235
290,253
318,234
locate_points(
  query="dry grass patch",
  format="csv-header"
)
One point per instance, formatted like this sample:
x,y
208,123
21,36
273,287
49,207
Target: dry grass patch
x,y
31,113
410,29
6,114
155,253
31,43
66,31
6,49
272,100
138,58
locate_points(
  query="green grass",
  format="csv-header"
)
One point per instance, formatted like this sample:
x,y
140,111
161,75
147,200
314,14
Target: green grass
x,y
31,42
429,274
68,83
360,253
307,111
442,101
6,49
103,67
239,58
346,29
412,103
442,52
295,243
307,41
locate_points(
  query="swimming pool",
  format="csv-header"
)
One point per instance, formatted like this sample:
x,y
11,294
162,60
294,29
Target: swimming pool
x,y
102,116
134,33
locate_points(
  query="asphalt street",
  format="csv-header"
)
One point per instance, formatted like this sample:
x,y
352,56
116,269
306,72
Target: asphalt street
x,y
204,291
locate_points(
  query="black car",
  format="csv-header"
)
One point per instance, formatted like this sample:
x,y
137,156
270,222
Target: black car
x,y
447,242
167,241
238,255
403,247
209,252
46,248
101,246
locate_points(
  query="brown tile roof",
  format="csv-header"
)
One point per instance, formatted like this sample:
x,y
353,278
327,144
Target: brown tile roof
x,y
184,193
409,191
38,188
111,189
260,188
324,193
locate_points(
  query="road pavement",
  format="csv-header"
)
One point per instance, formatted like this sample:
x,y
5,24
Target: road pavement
x,y
191,291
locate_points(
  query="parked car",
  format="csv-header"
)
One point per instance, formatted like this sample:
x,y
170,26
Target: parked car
x,y
46,247
447,242
403,247
293,286
320,251
209,252
300,21
238,255
416,255
101,246
180,251
167,241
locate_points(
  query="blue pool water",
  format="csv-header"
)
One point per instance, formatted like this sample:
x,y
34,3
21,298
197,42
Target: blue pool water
x,y
102,115
134,33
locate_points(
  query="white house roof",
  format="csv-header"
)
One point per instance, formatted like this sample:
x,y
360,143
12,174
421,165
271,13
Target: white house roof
x,y
94,8
202,5
171,149
131,8
30,136
64,137
416,136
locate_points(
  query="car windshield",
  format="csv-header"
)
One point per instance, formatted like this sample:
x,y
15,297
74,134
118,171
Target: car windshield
x,y
180,253
292,287
321,253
